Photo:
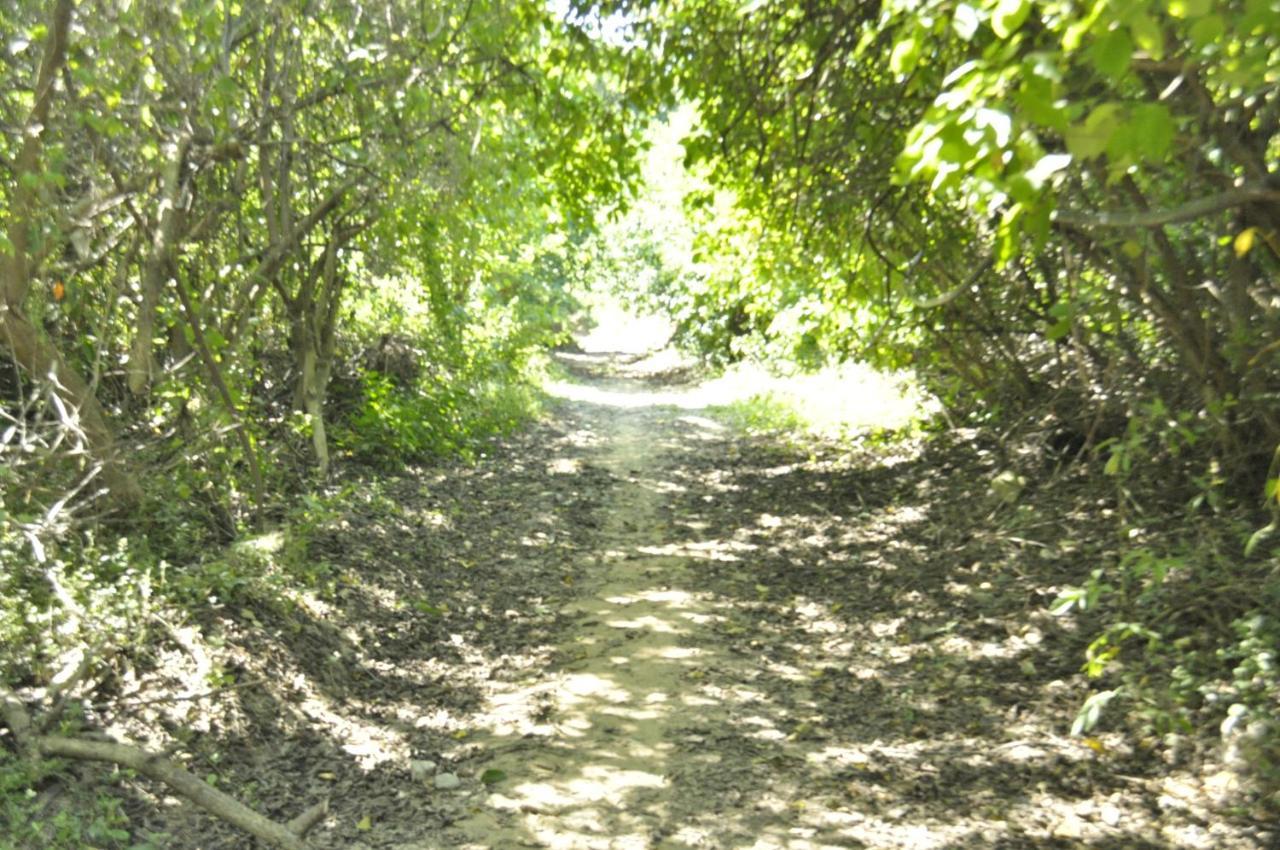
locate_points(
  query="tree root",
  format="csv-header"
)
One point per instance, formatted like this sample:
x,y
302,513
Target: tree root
x,y
289,836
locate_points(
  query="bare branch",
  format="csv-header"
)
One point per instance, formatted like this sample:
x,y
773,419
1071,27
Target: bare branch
x,y
1189,211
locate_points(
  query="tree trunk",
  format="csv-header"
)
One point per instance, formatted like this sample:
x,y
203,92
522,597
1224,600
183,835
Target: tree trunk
x,y
29,347
40,359
155,271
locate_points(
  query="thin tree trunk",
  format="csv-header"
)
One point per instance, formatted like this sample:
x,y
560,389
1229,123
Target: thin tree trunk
x,y
224,392
29,347
141,368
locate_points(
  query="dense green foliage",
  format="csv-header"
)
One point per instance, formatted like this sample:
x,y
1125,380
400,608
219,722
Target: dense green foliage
x,y
1031,203
241,245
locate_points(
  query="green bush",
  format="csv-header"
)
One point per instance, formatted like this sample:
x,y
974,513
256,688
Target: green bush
x,y
449,410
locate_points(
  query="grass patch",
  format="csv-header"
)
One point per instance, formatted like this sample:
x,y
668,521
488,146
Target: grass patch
x,y
838,402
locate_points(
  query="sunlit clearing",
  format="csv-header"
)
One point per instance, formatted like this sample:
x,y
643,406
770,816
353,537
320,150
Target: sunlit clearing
x,y
832,402
620,330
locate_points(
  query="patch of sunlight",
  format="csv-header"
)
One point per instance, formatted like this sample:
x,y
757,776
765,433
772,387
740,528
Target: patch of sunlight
x,y
670,653
887,628
308,601
735,694
702,422
833,756
832,401
1011,647
583,438
620,330
674,598
648,623
369,744
664,487
711,550
597,783
874,832
582,686
787,671
702,619
816,618
622,713
625,398
432,517
564,466
264,544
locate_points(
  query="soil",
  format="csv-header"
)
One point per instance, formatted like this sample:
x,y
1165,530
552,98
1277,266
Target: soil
x,y
628,627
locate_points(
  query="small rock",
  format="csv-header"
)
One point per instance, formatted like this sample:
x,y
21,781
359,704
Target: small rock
x,y
447,781
1069,827
421,770
1110,815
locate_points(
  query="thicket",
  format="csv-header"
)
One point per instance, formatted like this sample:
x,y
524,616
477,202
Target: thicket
x,y
1065,217
242,246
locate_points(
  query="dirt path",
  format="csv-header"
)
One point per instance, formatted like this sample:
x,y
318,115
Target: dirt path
x,y
773,652
614,740
628,628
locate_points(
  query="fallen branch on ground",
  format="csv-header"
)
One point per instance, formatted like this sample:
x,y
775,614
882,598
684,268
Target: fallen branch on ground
x,y
288,836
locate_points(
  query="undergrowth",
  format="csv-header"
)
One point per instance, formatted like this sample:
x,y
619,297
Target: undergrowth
x,y
87,605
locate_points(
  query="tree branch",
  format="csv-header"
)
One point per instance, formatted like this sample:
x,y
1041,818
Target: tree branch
x,y
1189,211
287,836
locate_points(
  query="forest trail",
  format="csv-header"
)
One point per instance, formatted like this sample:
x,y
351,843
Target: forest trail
x,y
618,747
771,651
629,627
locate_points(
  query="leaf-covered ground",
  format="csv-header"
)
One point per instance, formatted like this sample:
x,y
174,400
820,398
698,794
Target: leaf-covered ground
x,y
628,627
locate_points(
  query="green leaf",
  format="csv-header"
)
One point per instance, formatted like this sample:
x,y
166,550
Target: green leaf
x,y
1090,138
1111,54
1009,16
1057,331
1147,135
1007,236
1259,537
1037,102
905,55
1091,711
1066,600
493,776
1207,30
1189,8
1147,34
